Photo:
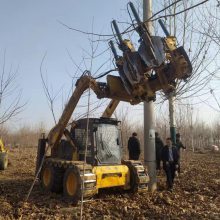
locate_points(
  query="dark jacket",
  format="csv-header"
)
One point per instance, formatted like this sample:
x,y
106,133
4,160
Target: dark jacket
x,y
159,146
134,146
165,155
179,144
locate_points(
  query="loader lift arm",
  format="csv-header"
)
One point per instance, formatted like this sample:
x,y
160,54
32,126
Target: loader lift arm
x,y
113,90
57,131
110,108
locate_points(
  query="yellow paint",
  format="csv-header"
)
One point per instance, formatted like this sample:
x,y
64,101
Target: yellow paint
x,y
110,176
110,108
75,156
171,43
129,44
47,176
71,184
2,148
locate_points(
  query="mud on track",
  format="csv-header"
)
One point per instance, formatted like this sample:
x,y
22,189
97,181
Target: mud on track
x,y
196,194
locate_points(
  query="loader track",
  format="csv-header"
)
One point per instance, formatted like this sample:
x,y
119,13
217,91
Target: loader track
x,y
139,176
83,173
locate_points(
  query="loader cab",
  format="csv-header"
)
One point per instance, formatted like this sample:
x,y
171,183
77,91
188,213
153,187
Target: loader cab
x,y
104,140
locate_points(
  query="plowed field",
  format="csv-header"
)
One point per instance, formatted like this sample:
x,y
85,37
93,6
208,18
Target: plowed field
x,y
196,194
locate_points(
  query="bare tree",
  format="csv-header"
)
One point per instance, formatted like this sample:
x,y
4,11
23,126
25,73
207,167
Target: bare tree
x,y
184,23
10,92
50,95
211,22
89,64
211,28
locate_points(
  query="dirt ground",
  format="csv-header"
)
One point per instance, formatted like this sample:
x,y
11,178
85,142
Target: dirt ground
x,y
196,194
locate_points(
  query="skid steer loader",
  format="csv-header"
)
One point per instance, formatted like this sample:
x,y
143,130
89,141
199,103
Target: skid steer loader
x,y
3,156
155,66
65,171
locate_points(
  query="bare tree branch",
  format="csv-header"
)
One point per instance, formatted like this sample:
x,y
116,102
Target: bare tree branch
x,y
10,94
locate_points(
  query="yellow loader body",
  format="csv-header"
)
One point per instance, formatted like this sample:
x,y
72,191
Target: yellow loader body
x,y
2,148
3,156
111,176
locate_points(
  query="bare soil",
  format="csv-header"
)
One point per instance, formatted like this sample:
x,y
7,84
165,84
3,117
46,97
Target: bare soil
x,y
196,194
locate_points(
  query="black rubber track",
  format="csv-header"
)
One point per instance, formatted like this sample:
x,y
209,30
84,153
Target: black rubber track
x,y
56,181
134,181
57,186
51,169
77,196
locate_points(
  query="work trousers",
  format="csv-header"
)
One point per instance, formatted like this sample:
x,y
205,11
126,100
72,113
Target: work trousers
x,y
178,166
170,173
134,156
178,162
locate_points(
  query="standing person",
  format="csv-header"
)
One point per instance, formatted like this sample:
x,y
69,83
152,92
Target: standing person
x,y
159,146
170,157
179,145
134,147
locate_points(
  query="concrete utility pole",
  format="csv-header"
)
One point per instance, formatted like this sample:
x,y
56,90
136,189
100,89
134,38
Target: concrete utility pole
x,y
149,119
171,98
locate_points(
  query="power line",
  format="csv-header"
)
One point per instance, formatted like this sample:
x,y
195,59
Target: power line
x,y
127,30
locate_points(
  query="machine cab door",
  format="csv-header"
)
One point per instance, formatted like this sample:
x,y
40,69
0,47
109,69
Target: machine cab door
x,y
108,144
